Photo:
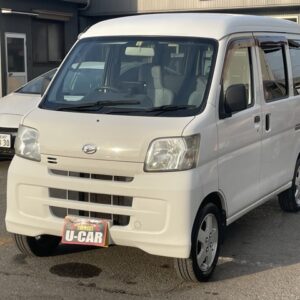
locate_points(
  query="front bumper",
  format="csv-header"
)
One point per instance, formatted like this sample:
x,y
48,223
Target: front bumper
x,y
161,213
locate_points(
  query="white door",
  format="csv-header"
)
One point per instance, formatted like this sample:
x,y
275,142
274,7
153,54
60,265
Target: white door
x,y
239,134
16,62
278,112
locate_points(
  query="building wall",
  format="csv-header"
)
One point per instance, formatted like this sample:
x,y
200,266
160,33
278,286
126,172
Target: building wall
x,y
171,5
123,7
111,7
14,23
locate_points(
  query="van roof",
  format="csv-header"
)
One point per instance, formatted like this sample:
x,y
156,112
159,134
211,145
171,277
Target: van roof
x,y
189,24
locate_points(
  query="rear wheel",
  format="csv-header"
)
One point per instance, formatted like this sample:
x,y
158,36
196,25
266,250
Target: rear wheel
x,y
289,200
42,245
206,239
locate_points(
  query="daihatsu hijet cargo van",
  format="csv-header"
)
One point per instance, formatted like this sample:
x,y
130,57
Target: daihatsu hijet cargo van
x,y
191,121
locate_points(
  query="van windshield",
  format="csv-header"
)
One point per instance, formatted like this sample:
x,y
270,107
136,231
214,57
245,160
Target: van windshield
x,y
134,75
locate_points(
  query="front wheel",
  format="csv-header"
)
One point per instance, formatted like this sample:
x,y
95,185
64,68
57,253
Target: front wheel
x,y
289,200
42,245
206,240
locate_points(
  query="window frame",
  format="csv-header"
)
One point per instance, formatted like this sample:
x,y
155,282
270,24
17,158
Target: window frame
x,y
293,43
273,41
63,45
237,43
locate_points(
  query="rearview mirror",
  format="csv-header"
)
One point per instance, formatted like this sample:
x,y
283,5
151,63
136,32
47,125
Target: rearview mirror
x,y
139,51
236,98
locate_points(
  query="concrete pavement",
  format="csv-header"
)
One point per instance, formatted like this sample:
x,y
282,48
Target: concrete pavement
x,y
260,259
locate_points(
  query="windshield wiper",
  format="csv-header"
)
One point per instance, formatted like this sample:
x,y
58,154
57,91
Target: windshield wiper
x,y
157,110
165,108
98,105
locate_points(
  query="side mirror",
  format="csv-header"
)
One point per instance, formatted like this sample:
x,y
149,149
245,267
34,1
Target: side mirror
x,y
236,98
45,83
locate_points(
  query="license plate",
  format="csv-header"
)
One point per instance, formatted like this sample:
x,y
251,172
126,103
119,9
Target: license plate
x,y
85,231
5,140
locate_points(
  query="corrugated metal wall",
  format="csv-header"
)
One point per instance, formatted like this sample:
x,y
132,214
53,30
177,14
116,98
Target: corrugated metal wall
x,y
113,7
159,5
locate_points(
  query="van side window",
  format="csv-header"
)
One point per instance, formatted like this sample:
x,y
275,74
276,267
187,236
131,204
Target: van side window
x,y
294,47
274,72
238,70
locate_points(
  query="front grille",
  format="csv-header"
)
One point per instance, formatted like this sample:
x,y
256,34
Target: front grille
x,y
52,160
91,176
8,151
121,220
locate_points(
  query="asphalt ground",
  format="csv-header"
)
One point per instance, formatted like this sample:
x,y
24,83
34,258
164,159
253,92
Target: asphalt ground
x,y
260,259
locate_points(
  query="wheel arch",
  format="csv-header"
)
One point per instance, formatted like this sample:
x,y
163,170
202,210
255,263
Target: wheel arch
x,y
217,199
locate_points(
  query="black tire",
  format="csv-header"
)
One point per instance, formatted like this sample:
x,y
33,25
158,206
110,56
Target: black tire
x,y
287,199
43,245
189,269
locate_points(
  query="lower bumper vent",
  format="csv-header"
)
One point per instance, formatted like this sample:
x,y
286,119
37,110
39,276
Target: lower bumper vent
x,y
121,220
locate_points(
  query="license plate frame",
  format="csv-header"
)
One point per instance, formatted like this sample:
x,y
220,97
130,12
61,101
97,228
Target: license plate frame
x,y
79,230
5,140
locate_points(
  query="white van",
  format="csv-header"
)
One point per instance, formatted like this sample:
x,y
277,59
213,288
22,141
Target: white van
x,y
191,121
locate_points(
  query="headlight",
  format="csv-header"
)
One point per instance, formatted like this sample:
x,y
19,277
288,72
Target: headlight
x,y
173,154
27,143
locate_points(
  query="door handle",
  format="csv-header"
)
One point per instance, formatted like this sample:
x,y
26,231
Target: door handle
x,y
268,122
256,119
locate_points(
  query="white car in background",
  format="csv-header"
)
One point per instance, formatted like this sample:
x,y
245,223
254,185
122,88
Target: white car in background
x,y
14,106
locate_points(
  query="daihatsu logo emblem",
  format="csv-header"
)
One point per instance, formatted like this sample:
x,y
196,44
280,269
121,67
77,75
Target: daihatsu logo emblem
x,y
89,149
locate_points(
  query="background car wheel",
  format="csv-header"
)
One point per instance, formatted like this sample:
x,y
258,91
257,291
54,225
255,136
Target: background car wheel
x,y
42,245
289,200
206,240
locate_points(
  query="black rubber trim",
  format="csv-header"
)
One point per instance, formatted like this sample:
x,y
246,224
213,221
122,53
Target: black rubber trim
x,y
6,129
297,127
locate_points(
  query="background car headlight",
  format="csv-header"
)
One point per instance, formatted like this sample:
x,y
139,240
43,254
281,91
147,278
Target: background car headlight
x,y
173,154
27,143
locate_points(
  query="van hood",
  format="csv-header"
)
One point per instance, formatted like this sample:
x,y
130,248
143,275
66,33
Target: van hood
x,y
117,137
18,103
